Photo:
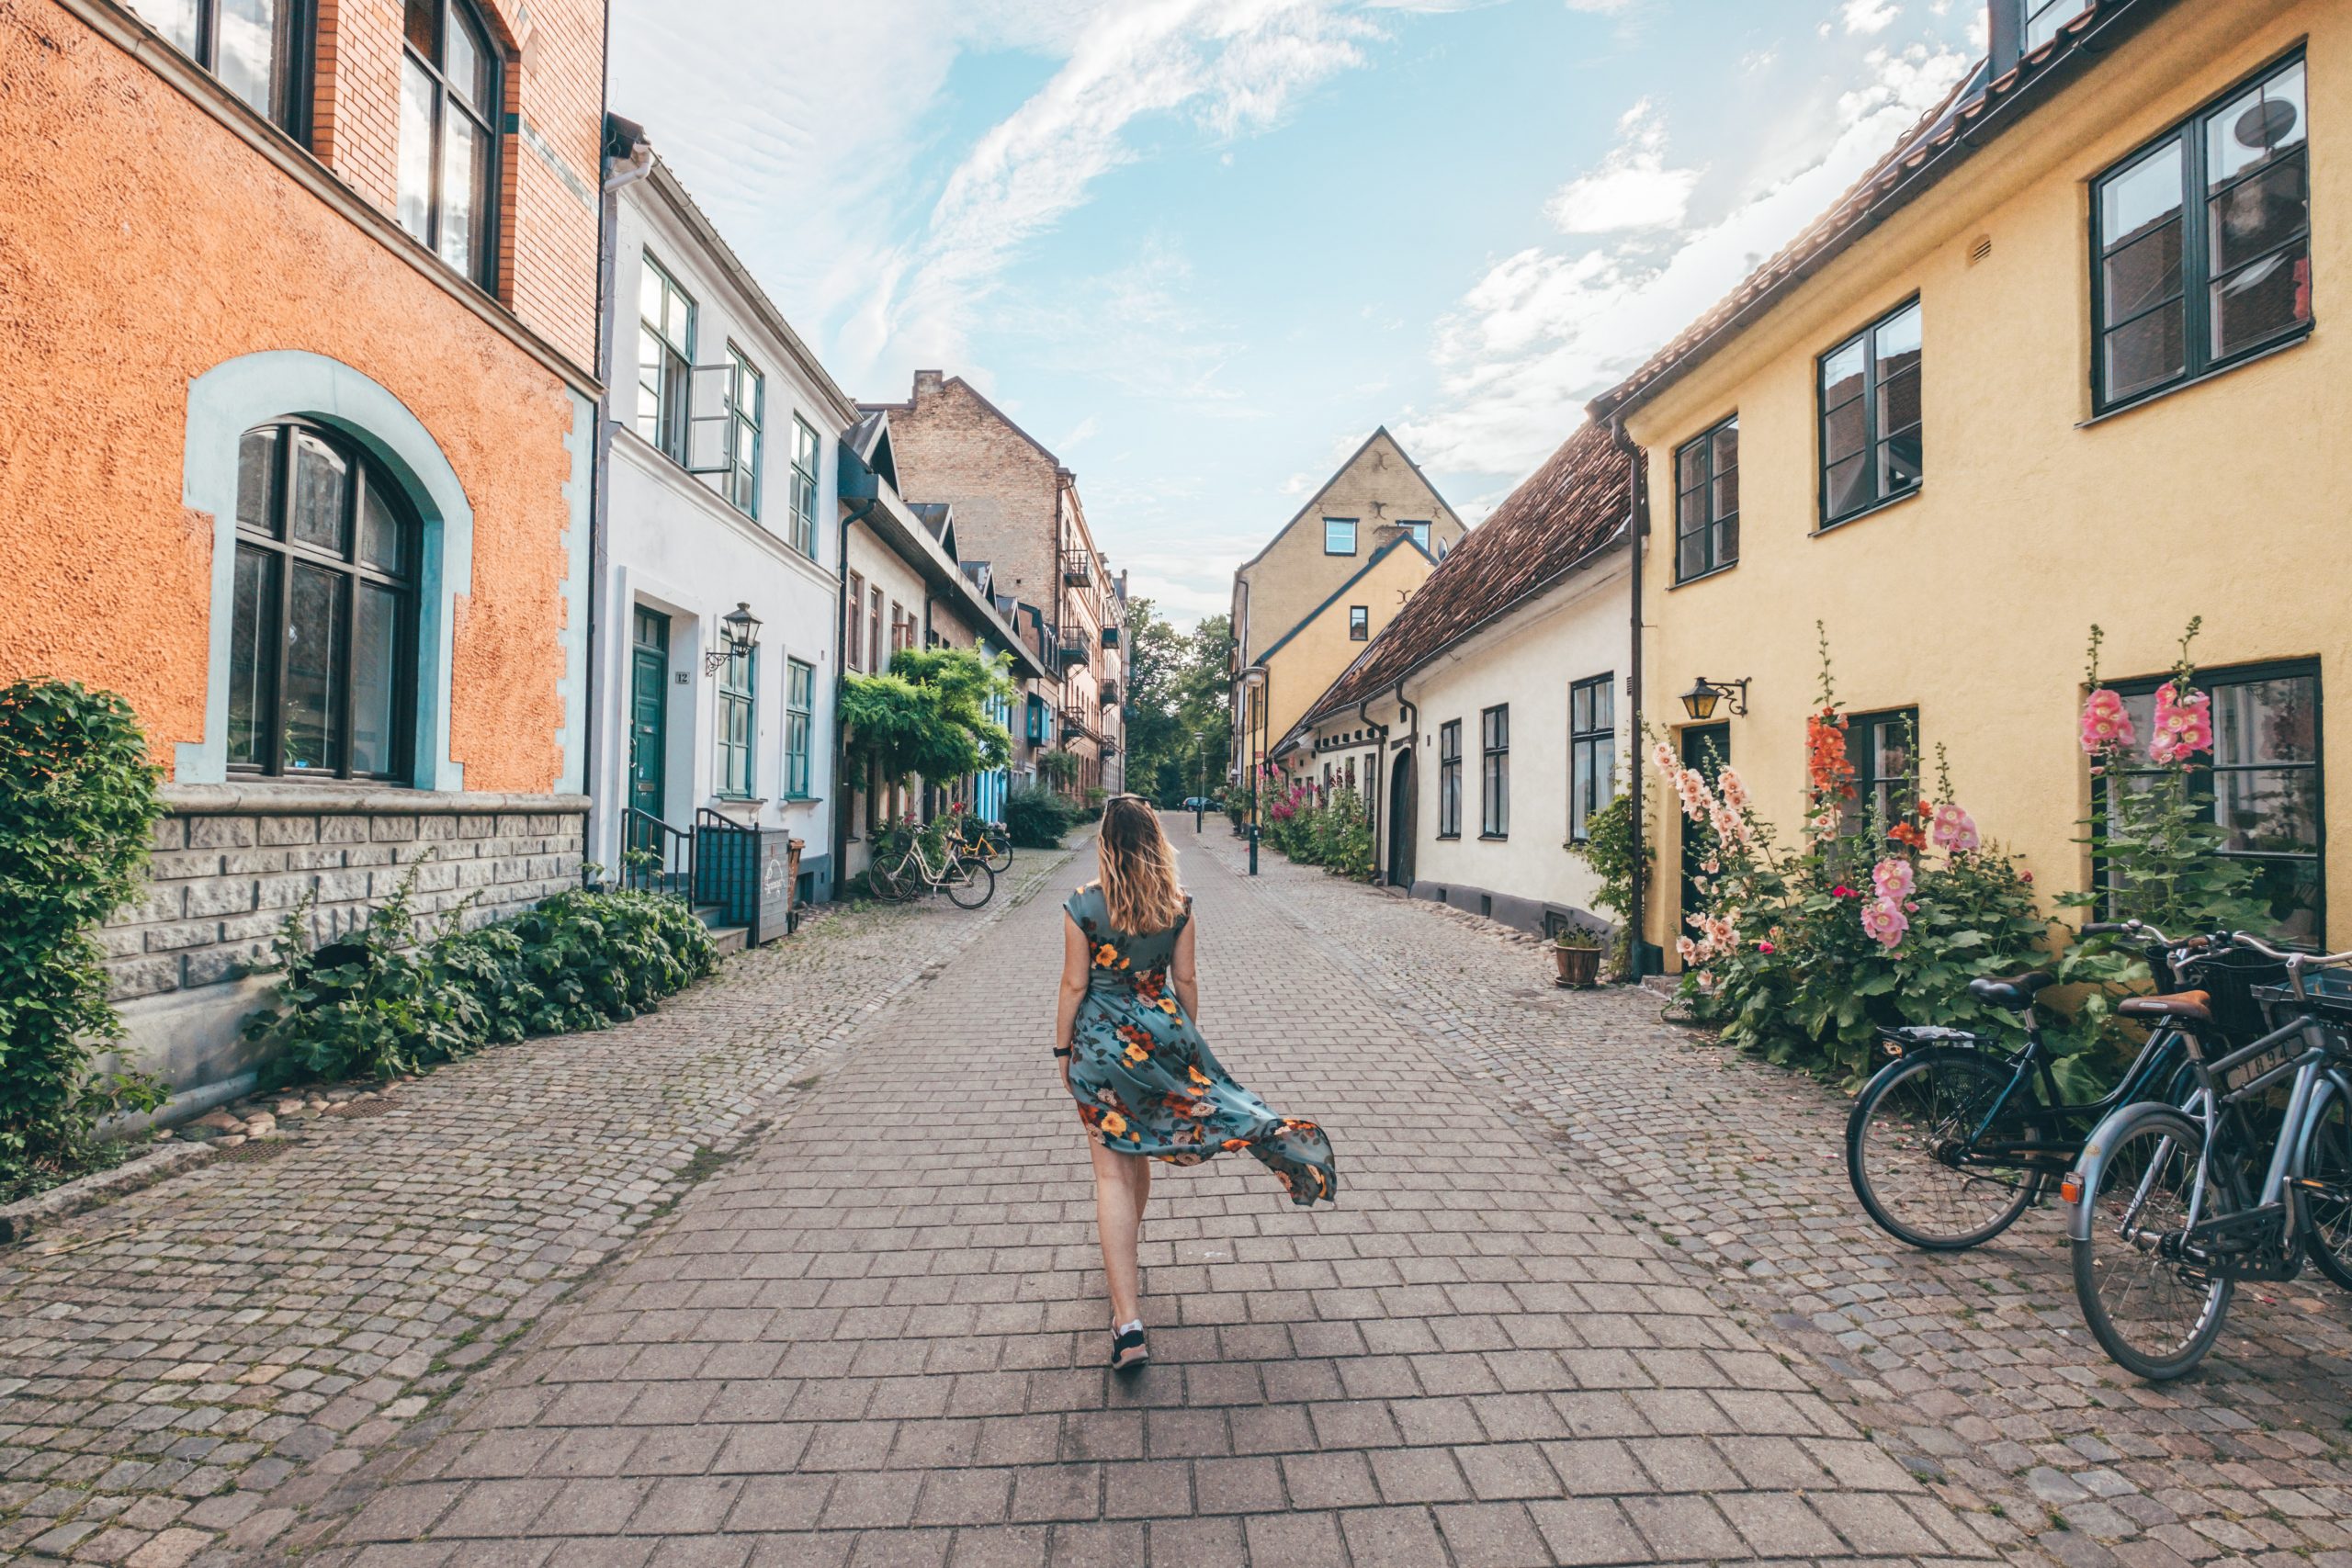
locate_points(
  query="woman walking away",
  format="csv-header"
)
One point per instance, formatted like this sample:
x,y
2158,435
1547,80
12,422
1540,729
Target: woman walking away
x,y
1142,1077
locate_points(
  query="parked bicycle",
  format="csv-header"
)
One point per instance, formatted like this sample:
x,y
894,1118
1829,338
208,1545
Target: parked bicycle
x,y
968,882
1955,1138
987,843
2171,1207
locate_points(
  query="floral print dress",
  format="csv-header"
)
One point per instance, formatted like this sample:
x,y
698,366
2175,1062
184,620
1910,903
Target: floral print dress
x,y
1144,1082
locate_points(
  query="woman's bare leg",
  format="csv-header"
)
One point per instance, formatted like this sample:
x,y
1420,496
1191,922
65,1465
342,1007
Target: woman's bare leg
x,y
1143,1192
1119,1180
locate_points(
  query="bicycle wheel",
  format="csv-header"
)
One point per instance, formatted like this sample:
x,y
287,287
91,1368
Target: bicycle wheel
x,y
2153,1311
2327,1209
999,853
970,883
891,884
1908,1151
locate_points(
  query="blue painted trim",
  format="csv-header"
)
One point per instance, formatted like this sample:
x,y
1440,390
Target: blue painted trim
x,y
1308,619
571,686
238,394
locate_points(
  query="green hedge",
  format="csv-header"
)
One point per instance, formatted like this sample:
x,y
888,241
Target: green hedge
x,y
1036,818
377,1002
78,806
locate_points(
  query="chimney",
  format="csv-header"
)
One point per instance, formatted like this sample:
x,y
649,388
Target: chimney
x,y
2007,35
931,383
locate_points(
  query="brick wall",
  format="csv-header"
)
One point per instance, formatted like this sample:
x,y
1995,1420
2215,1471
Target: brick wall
x,y
953,446
230,861
549,159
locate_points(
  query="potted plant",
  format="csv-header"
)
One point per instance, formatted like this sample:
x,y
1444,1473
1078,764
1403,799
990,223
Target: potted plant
x,y
1576,952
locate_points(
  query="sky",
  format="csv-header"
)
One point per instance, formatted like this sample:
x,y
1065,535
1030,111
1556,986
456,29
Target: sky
x,y
1202,248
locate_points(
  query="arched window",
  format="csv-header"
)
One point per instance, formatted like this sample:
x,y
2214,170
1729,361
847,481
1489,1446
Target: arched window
x,y
321,653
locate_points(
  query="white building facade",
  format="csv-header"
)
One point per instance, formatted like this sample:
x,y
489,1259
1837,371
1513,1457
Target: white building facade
x,y
720,449
1489,720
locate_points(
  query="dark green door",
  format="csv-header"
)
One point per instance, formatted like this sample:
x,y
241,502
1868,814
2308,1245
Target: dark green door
x,y
649,707
1705,746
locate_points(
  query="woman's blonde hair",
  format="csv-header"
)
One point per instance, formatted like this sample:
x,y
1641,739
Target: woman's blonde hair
x,y
1139,888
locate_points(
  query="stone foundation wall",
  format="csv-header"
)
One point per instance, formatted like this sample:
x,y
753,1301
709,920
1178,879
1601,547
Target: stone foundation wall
x,y
232,859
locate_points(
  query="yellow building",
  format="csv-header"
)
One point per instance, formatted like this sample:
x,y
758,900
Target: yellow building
x,y
2051,363
1326,584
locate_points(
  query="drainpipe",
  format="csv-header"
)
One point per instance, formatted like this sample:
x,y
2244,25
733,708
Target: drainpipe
x,y
1638,522
841,634
638,164
1413,755
1372,788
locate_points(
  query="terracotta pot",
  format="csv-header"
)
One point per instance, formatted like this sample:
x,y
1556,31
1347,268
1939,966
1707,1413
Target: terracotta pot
x,y
1579,966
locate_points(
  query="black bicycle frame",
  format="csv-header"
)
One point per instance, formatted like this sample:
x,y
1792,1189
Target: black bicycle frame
x,y
2159,1062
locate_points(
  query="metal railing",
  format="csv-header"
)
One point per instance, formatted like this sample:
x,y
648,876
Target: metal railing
x,y
726,868
1078,568
655,857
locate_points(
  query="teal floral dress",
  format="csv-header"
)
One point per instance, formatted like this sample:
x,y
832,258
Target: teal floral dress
x,y
1144,1082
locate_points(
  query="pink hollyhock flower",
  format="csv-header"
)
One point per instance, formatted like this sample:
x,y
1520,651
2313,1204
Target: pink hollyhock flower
x,y
1735,793
1841,891
1883,923
1662,758
2184,725
1893,879
2107,723
2026,876
1954,830
1763,947
1711,865
1687,948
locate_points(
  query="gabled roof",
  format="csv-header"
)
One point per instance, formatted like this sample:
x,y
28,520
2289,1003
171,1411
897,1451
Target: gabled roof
x,y
1549,529
1315,502
1975,111
870,439
939,517
946,381
1308,619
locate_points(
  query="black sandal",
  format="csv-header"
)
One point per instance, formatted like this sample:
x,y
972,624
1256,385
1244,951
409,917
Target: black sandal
x,y
1128,1350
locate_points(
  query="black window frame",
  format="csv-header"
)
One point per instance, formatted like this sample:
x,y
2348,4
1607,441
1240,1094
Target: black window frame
x,y
1494,772
1866,737
1359,622
1713,526
489,121
1354,534
2201,777
1880,446
275,538
1448,779
298,38
1593,750
2197,273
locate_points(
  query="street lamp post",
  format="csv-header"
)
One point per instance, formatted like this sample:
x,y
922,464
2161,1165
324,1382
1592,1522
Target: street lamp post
x,y
1200,781
1253,681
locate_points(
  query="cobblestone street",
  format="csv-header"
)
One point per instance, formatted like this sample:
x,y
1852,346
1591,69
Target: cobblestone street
x,y
802,1269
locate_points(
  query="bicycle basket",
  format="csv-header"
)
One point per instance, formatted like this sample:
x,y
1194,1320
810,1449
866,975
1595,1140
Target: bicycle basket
x,y
2327,992
2230,980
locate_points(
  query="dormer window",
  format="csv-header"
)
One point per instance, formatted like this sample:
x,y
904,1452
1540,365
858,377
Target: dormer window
x,y
2044,17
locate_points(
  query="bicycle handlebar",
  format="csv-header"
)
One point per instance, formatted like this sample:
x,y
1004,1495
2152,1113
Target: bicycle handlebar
x,y
2293,960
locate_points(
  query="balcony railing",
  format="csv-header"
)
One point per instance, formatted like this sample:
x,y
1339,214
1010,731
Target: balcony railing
x,y
1074,650
1110,694
1077,567
1110,637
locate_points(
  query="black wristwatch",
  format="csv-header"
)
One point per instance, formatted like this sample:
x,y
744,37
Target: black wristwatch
x,y
1061,1050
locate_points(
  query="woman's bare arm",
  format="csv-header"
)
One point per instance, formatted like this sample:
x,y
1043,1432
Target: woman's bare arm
x,y
1181,976
1077,959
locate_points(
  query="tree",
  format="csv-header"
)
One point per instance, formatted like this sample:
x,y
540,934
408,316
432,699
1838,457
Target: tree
x,y
928,714
1177,691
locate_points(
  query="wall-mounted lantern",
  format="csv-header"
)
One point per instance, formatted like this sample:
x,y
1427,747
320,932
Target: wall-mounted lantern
x,y
1699,701
739,632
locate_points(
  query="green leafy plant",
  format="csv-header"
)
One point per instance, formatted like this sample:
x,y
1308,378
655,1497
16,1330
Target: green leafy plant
x,y
78,806
1036,818
1058,768
378,1001
1610,849
928,715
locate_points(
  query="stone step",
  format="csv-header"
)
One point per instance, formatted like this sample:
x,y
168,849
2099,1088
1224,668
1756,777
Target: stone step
x,y
731,939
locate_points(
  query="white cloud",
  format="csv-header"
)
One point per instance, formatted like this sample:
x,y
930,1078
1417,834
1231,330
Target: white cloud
x,y
1544,331
1632,188
1870,16
1232,66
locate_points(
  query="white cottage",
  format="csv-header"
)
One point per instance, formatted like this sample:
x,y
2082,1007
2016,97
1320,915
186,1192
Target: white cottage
x,y
1488,722
718,566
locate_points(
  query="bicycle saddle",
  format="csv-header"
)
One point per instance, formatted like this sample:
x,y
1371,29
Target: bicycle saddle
x,y
2177,1004
2016,993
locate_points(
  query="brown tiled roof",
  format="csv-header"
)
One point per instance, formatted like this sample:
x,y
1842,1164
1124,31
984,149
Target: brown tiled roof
x,y
1578,500
1968,116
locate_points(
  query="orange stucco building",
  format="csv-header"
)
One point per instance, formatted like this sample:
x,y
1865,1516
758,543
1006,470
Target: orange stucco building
x,y
298,317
